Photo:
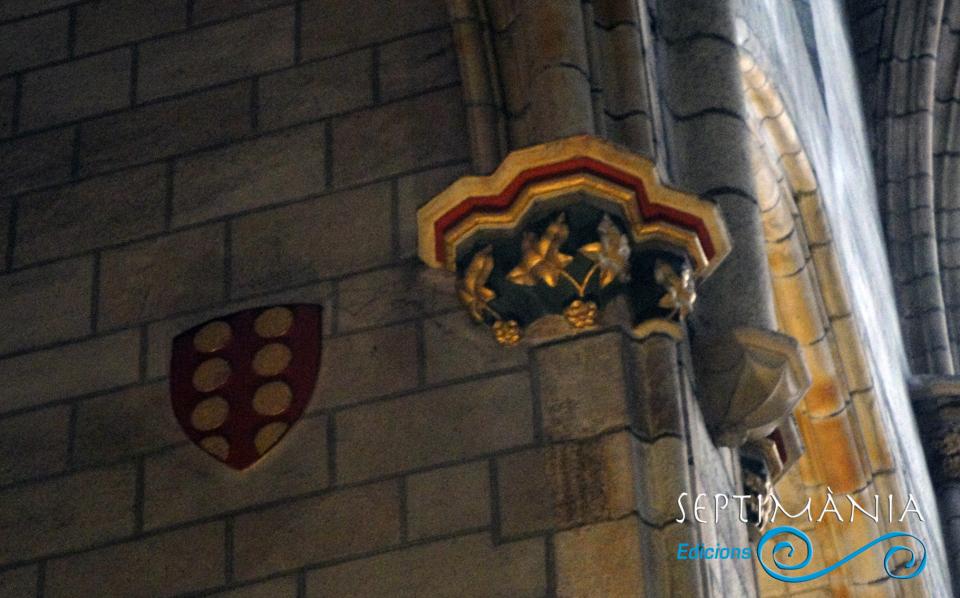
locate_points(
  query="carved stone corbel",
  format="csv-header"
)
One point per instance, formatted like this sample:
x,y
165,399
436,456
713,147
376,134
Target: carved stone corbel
x,y
562,235
768,381
763,461
778,451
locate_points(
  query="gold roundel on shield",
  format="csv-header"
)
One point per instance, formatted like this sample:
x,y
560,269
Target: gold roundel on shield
x,y
211,374
212,337
273,398
209,414
268,436
216,446
273,322
272,359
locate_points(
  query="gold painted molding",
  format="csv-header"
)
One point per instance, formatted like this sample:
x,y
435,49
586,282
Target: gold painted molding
x,y
564,228
657,326
575,164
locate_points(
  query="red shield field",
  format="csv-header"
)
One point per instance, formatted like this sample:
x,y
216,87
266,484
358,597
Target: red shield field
x,y
240,382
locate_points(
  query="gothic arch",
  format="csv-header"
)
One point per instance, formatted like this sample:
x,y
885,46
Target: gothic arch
x,y
842,427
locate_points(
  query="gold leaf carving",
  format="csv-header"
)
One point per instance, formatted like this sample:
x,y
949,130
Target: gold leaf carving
x,y
610,254
542,259
681,294
472,288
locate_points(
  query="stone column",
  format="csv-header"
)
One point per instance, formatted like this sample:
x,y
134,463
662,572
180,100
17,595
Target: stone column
x,y
551,252
620,439
936,401
621,435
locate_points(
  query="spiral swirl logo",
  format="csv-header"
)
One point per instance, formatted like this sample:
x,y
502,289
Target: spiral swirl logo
x,y
911,566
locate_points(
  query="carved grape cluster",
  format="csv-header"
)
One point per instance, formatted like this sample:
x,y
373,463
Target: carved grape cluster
x,y
581,314
507,332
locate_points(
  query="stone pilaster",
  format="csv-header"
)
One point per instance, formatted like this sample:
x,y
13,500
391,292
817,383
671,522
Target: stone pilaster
x,y
620,438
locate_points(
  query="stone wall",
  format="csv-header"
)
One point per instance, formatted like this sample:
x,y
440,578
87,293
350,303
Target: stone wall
x,y
165,163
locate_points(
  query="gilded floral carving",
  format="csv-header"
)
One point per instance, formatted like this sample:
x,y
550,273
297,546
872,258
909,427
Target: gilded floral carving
x,y
681,293
472,289
610,254
542,259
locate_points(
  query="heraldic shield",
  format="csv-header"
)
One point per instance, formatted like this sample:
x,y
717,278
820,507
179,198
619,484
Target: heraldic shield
x,y
240,382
